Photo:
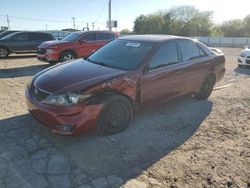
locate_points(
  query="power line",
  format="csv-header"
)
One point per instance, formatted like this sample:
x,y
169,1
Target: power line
x,y
39,20
72,7
99,16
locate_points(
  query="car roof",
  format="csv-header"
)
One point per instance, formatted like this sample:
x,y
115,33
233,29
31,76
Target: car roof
x,y
152,38
39,32
246,51
94,31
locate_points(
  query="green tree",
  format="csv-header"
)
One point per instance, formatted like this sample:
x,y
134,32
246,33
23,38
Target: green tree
x,y
182,20
246,23
125,32
233,28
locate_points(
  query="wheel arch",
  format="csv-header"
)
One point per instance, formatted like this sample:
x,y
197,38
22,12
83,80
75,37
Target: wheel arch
x,y
3,46
98,96
68,50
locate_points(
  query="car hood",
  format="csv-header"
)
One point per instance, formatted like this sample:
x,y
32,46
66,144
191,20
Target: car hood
x,y
52,43
76,75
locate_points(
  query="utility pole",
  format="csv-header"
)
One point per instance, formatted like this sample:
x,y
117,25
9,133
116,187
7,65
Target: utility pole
x,y
87,26
8,21
93,25
74,24
46,27
109,18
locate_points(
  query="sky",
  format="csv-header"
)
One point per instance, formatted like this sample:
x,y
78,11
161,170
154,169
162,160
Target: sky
x,y
57,14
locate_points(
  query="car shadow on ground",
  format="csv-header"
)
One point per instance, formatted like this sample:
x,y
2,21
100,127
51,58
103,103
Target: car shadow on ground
x,y
20,56
152,136
22,71
242,70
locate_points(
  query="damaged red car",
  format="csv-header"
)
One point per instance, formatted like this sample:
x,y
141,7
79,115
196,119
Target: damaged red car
x,y
104,91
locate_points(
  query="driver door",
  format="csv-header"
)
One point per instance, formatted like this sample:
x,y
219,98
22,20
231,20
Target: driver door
x,y
19,42
86,45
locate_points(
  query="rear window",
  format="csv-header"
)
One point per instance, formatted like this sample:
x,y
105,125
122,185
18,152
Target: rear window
x,y
190,50
104,36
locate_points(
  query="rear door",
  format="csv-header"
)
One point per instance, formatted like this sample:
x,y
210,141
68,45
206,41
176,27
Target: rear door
x,y
103,38
162,80
196,65
35,39
19,42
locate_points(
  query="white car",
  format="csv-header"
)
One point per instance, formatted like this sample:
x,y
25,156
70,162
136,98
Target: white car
x,y
244,58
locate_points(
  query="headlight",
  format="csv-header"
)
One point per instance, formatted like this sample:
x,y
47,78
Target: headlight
x,y
50,51
243,54
65,99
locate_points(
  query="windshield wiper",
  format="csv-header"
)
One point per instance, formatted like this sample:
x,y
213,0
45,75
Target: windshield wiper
x,y
101,63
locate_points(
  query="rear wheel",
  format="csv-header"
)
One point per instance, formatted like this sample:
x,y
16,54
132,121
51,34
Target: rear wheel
x,y
3,52
115,116
67,56
206,88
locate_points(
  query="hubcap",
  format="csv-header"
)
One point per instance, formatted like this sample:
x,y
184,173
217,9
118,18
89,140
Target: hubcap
x,y
67,57
115,115
3,52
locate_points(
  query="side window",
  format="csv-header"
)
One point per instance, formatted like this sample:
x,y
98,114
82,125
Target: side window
x,y
101,36
88,37
21,37
34,37
166,55
45,37
110,36
190,50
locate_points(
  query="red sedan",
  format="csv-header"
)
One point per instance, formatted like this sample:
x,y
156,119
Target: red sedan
x,y
75,45
103,92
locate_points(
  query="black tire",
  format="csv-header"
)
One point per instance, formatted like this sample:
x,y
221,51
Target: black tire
x,y
3,52
206,88
67,56
240,66
52,62
115,116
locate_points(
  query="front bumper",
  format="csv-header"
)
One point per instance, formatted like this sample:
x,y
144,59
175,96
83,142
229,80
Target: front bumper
x,y
243,61
48,57
80,118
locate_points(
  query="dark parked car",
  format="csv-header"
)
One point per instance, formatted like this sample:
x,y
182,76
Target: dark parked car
x,y
22,42
103,91
75,45
5,33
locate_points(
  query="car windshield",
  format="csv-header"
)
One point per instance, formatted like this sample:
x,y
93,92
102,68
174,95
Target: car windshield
x,y
10,35
71,37
121,54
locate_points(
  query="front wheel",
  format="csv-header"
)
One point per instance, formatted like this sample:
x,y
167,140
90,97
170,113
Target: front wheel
x,y
206,88
3,52
115,116
67,56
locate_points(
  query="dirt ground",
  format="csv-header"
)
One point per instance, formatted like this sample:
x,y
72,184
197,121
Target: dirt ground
x,y
188,143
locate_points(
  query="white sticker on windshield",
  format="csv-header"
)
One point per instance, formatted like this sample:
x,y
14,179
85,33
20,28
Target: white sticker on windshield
x,y
133,44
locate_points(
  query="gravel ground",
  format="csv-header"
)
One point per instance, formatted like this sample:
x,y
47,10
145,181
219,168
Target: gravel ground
x,y
187,143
